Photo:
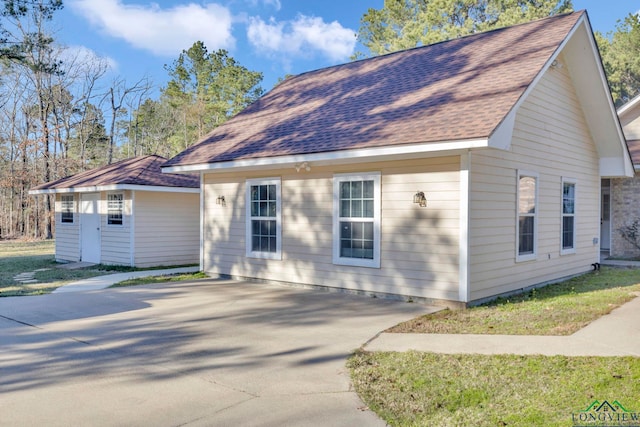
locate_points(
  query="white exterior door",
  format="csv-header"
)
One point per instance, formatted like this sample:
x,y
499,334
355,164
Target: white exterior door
x,y
90,228
605,219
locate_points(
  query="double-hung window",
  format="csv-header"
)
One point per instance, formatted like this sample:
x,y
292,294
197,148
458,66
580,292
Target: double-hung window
x,y
66,209
527,222
263,225
115,208
568,216
356,220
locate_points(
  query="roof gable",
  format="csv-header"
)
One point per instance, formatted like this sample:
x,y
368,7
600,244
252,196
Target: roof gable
x,y
134,172
451,91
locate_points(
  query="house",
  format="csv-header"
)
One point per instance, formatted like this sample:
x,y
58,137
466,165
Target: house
x,y
621,196
450,173
127,213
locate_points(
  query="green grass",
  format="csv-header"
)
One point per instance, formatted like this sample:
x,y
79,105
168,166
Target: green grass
x,y
426,389
559,309
161,279
22,256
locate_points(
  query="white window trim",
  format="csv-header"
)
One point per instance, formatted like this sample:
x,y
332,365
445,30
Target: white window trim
x,y
73,210
123,210
575,216
337,259
277,255
534,255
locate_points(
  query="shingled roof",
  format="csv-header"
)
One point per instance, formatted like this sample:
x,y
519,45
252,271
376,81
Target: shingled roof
x,y
138,171
451,91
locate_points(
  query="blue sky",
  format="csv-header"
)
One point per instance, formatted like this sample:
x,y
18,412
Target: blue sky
x,y
276,37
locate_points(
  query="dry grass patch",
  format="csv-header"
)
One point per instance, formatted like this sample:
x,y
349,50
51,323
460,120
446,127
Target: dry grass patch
x,y
559,309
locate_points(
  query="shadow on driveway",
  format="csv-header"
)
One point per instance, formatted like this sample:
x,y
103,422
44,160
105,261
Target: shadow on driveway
x,y
198,353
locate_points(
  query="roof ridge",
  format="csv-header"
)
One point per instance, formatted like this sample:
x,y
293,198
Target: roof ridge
x,y
397,52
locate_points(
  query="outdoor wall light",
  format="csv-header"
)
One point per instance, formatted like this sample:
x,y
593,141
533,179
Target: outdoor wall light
x,y
303,165
420,199
220,201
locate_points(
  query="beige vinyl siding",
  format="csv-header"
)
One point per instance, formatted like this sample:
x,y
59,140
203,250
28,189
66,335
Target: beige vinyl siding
x,y
167,228
419,246
630,122
116,239
67,234
550,138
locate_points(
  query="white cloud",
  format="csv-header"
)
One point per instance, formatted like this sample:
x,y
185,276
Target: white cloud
x,y
163,32
83,55
303,36
273,3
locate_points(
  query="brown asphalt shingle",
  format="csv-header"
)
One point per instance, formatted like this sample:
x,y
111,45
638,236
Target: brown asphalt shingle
x,y
456,90
144,170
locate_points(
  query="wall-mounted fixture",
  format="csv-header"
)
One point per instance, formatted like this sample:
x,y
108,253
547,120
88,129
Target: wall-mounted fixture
x,y
556,64
220,201
420,199
303,165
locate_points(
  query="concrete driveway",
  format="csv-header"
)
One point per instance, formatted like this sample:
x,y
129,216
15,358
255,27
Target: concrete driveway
x,y
207,353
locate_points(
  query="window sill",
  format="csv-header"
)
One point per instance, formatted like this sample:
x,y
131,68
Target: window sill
x,y
354,262
571,251
526,258
265,255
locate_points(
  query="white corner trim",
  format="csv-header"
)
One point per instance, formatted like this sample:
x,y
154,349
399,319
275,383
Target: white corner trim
x,y
464,259
202,206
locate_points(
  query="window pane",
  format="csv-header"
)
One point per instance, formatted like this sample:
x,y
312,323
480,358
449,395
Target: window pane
x,y
255,243
272,192
368,230
367,189
264,209
568,198
345,230
567,232
367,209
527,195
525,245
356,240
263,192
272,209
356,209
345,212
356,189
115,206
255,228
345,190
255,192
255,208
606,209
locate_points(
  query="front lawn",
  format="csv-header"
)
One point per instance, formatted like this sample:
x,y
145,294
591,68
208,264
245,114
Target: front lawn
x,y
38,256
559,309
426,389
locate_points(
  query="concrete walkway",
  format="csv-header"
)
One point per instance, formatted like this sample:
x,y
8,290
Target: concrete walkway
x,y
101,282
615,334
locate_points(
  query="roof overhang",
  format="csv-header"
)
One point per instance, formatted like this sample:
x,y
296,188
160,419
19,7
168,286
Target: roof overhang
x,y
363,155
581,53
116,187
